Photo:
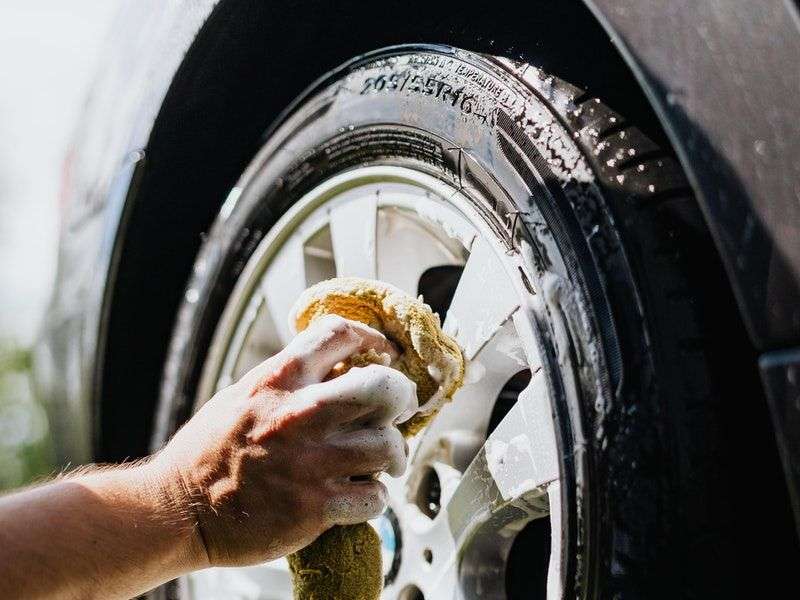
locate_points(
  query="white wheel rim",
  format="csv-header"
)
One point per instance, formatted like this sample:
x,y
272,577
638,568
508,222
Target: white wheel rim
x,y
393,223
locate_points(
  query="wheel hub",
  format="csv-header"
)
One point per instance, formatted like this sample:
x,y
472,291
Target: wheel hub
x,y
388,529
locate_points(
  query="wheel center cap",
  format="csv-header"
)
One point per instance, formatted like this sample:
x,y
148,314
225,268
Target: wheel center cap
x,y
388,529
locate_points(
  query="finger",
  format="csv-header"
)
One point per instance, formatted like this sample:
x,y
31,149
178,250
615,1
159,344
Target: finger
x,y
331,339
368,451
354,502
368,396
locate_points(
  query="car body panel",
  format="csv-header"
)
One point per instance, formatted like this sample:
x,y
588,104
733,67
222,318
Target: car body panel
x,y
724,78
717,77
123,104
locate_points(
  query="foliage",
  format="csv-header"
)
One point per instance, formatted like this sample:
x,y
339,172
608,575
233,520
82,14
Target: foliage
x,y
25,450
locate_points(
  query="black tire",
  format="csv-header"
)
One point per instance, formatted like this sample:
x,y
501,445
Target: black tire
x,y
630,360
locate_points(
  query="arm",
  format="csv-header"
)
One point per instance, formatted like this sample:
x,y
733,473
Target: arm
x,y
260,471
113,532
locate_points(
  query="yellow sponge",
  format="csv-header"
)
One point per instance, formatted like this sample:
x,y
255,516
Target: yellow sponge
x,y
342,563
429,357
345,562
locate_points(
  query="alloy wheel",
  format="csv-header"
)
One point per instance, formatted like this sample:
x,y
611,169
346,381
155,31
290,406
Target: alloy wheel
x,y
482,491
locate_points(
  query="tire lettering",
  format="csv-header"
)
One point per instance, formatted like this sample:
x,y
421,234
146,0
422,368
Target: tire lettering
x,y
431,85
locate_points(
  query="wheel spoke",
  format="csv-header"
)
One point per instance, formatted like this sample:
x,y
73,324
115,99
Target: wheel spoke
x,y
283,283
459,430
511,480
512,471
268,581
435,573
467,494
237,362
258,343
353,228
484,299
405,251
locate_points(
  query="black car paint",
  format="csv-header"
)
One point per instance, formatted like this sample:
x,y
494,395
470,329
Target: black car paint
x,y
725,80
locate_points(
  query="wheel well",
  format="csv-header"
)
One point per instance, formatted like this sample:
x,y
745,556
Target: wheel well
x,y
244,67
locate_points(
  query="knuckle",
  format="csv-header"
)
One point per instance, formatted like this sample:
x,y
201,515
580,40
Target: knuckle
x,y
394,437
380,495
389,376
388,449
409,387
298,409
399,450
393,380
399,468
335,323
375,370
376,378
282,376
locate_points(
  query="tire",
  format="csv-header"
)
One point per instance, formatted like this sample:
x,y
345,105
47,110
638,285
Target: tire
x,y
620,269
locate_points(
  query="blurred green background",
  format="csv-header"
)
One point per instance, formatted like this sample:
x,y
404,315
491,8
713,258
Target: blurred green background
x,y
25,451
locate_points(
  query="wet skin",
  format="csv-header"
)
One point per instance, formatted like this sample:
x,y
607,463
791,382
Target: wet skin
x,y
260,471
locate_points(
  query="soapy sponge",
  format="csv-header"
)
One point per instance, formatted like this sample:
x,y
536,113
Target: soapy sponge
x,y
429,357
342,563
345,562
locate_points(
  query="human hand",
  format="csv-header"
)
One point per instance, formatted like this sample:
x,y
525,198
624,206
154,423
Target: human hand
x,y
277,458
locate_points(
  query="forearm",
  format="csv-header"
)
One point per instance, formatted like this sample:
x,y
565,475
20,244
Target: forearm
x,y
111,533
258,472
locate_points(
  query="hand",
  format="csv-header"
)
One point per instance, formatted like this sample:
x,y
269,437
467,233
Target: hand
x,y
274,460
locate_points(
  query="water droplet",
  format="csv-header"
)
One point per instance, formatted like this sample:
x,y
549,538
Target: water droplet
x,y
760,147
